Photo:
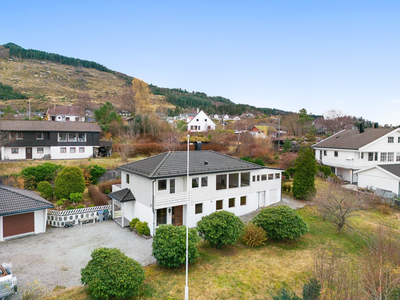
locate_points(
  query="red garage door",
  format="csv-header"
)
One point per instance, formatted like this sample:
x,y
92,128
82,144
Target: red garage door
x,y
18,224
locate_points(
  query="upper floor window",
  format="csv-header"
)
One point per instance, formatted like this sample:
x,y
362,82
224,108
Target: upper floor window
x,y
72,137
195,182
390,156
19,136
398,139
270,176
62,137
82,137
162,185
39,135
263,177
390,139
245,179
204,181
233,180
127,178
325,153
370,156
172,186
397,156
221,182
336,154
383,156
277,175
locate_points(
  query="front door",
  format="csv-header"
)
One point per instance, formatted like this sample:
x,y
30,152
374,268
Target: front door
x,y
177,215
28,153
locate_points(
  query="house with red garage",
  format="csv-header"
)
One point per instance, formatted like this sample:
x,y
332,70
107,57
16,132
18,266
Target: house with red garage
x,y
22,213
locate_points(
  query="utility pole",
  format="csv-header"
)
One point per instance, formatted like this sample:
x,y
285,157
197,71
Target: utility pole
x,y
29,109
279,132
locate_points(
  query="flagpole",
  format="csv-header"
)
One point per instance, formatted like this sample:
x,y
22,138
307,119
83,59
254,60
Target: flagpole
x,y
187,221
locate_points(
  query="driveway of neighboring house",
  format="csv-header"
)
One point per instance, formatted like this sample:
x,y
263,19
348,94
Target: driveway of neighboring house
x,y
57,256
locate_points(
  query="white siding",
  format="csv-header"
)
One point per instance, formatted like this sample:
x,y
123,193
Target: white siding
x,y
55,152
40,221
11,156
377,178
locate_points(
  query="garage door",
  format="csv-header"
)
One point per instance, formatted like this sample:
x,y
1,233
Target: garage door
x,y
18,224
272,196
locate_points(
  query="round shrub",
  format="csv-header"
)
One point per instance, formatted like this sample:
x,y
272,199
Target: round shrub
x,y
110,274
169,245
281,222
254,235
60,202
142,228
69,180
76,197
92,205
45,189
220,228
132,223
70,207
80,206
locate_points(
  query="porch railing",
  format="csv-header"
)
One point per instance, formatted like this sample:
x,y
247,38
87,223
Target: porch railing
x,y
161,201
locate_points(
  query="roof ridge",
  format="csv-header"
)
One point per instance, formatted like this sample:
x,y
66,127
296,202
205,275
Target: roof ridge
x,y
11,189
159,165
238,159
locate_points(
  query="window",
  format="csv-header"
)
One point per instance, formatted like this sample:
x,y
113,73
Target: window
x,y
233,180
245,179
204,181
325,153
370,156
72,150
14,150
19,136
172,186
161,216
277,175
231,202
39,135
221,182
320,154
127,178
383,156
390,140
63,150
243,200
81,149
82,137
72,137
40,150
162,185
199,208
336,154
263,177
391,156
197,120
62,137
270,176
195,182
362,155
258,177
219,204
398,139
205,120
67,119
376,156
254,178
397,156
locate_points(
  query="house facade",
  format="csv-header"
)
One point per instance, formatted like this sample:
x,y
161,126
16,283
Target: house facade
x,y
60,140
156,190
200,123
66,114
21,213
352,150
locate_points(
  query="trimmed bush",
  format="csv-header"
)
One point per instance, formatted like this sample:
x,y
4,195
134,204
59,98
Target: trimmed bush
x,y
254,235
70,207
80,206
132,223
142,228
76,197
281,223
98,197
169,245
220,228
110,274
44,172
69,180
45,189
60,202
107,185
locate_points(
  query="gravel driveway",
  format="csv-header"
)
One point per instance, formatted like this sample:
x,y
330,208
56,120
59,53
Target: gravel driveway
x,y
57,256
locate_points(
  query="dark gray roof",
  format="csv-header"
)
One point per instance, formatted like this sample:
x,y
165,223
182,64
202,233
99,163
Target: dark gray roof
x,y
393,168
173,164
19,125
124,195
352,138
13,201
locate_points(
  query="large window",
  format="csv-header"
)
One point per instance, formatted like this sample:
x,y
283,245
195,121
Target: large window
x,y
221,182
233,180
199,208
62,137
397,156
204,181
336,154
162,185
390,139
39,135
231,202
391,156
195,182
219,204
383,156
270,176
82,137
172,186
72,137
245,179
161,216
243,200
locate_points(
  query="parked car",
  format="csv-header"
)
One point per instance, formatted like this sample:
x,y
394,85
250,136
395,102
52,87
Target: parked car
x,y
8,282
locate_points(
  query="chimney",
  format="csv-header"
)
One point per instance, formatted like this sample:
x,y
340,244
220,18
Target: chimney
x,y
197,110
361,127
197,146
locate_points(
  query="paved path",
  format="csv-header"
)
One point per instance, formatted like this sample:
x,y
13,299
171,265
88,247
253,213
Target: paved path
x,y
57,256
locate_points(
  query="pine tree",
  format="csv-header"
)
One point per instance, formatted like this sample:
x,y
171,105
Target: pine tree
x,y
304,177
287,145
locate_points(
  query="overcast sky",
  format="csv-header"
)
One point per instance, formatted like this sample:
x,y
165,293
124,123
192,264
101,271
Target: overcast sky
x,y
317,55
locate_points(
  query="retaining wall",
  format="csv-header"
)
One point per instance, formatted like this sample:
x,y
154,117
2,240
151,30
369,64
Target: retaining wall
x,y
57,218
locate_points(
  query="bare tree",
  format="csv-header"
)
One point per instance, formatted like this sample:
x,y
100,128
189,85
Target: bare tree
x,y
84,100
336,120
170,141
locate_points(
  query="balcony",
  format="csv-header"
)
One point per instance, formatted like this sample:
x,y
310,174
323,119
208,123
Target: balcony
x,y
170,200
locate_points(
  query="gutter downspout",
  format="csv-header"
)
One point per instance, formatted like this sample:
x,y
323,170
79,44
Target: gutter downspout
x,y
152,205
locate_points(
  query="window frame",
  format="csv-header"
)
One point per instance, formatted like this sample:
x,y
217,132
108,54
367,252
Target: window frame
x,y
336,153
14,150
195,182
74,140
72,150
163,216
204,179
390,156
219,184
277,175
370,156
232,179
242,203
231,202
63,150
84,137
271,176
390,139
217,202
39,152
397,156
263,177
198,208
160,181
38,136
19,136
59,135
81,148
243,182
383,156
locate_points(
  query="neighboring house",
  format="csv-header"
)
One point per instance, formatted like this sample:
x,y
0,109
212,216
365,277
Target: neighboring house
x,y
200,123
352,150
264,130
66,114
62,140
386,177
236,118
155,189
22,213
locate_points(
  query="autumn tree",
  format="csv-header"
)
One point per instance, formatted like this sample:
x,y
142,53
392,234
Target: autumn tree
x,y
304,177
141,96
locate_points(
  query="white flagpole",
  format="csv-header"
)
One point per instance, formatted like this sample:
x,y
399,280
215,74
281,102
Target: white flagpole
x,y
187,222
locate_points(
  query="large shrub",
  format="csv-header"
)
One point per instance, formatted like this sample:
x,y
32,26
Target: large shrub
x,y
281,222
69,180
111,274
304,178
95,172
45,189
44,172
169,245
97,197
254,235
220,228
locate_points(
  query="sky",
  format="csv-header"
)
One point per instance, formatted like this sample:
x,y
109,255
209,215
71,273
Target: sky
x,y
317,55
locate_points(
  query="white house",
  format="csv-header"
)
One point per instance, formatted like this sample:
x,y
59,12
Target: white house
x,y
22,213
155,189
200,123
352,150
66,113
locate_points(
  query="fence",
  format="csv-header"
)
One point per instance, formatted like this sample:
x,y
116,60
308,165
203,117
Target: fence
x,y
57,218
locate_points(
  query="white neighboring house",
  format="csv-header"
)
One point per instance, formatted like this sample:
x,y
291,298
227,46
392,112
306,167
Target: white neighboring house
x,y
66,113
154,189
352,150
201,123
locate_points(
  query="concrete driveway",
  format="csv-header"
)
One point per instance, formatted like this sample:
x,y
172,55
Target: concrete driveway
x,y
57,256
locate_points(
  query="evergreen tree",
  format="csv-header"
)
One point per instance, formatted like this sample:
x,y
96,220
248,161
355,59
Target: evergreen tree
x,y
287,145
304,177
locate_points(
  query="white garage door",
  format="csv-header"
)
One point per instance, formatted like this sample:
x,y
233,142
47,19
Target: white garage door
x,y
272,196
